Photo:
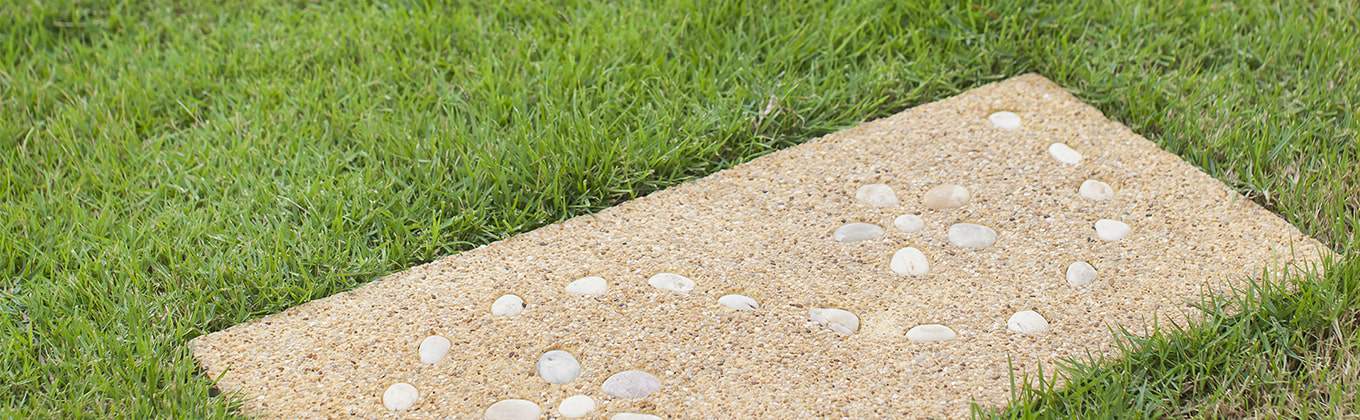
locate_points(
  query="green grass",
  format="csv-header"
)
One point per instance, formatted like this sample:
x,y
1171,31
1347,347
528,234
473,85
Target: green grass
x,y
169,169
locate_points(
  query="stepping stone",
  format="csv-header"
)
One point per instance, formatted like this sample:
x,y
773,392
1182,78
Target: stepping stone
x,y
576,406
512,410
877,195
632,384
762,229
856,232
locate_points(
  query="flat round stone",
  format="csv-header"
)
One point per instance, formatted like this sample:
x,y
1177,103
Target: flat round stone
x,y
855,232
634,416
947,196
558,367
838,320
631,384
1004,120
433,349
576,406
1095,190
1064,153
1027,322
588,286
909,262
971,236
909,223
672,282
738,302
1111,230
512,410
1080,273
508,305
400,396
877,195
927,333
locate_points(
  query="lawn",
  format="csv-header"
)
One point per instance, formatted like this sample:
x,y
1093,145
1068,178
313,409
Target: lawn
x,y
173,168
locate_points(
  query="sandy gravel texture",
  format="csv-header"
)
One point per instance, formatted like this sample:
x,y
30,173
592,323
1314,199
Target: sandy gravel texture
x,y
764,229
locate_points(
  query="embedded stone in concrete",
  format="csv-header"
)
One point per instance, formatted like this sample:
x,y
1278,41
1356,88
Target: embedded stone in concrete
x,y
856,232
971,236
947,196
400,396
558,367
839,320
1027,322
1064,153
877,195
738,302
909,262
507,305
909,223
576,406
928,333
512,410
433,349
672,282
1095,190
588,286
631,384
1080,273
1004,120
634,416
1111,230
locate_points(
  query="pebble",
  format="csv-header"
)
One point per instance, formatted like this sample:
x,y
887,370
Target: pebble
x,y
672,282
738,302
947,196
400,396
909,223
1064,153
633,416
1111,230
512,410
558,367
909,262
433,349
1080,273
1004,120
1027,322
588,286
877,195
930,333
576,406
508,305
971,236
1095,190
631,384
855,232
838,320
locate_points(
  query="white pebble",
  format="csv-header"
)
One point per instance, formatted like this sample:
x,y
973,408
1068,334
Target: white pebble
x,y
633,416
433,349
909,262
838,320
1095,190
512,410
738,302
877,195
855,232
1080,273
930,332
909,223
1027,322
1004,120
631,384
971,236
400,396
946,196
588,286
672,282
507,305
1064,153
1111,230
558,367
576,406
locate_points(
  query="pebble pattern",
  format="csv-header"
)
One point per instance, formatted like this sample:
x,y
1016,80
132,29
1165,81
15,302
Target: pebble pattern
x,y
576,406
1111,230
588,286
513,410
947,196
1095,190
433,349
971,236
856,232
839,320
877,195
1027,322
400,396
910,262
1080,274
738,302
634,416
508,305
672,282
558,367
1004,120
909,223
631,384
929,333
1064,153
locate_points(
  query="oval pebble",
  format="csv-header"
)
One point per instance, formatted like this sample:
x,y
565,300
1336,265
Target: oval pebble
x,y
838,320
947,196
576,406
738,302
558,367
588,286
927,333
508,305
1004,120
1064,153
877,195
1111,230
633,416
672,282
512,410
1027,322
433,349
909,223
400,396
631,384
855,232
1095,190
1080,273
971,236
909,262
